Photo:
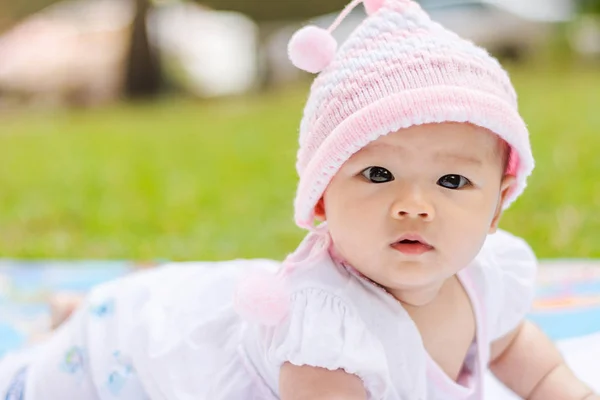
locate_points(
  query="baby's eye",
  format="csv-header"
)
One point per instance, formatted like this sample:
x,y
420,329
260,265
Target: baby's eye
x,y
378,174
453,181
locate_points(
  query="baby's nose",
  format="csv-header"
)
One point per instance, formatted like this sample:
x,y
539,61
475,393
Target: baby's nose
x,y
413,206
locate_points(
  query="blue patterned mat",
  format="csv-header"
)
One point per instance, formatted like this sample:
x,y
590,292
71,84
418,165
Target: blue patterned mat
x,y
567,304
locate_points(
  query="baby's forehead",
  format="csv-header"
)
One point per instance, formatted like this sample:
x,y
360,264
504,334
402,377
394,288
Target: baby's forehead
x,y
452,139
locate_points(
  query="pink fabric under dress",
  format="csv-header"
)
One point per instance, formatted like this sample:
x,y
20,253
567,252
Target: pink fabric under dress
x,y
469,385
172,333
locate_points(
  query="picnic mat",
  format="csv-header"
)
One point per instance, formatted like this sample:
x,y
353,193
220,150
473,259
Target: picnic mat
x,y
567,306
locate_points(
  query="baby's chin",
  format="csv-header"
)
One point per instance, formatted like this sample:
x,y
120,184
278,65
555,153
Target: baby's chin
x,y
409,275
416,294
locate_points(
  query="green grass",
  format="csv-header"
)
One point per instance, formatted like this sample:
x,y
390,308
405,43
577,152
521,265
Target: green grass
x,y
560,211
194,180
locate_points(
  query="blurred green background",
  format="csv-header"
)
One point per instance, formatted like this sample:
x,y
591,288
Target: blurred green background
x,y
182,178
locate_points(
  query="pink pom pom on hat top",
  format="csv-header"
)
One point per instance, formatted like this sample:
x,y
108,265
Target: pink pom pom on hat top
x,y
397,69
312,49
262,298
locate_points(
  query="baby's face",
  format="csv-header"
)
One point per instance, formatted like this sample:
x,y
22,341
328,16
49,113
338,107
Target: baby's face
x,y
414,207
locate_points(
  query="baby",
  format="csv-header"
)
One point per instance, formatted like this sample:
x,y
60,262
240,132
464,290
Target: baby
x,y
411,146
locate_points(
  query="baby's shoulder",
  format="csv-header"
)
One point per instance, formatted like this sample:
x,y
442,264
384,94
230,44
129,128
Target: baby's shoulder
x,y
504,276
329,287
322,274
504,254
327,277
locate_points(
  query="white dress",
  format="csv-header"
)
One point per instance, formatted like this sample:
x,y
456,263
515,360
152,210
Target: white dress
x,y
172,333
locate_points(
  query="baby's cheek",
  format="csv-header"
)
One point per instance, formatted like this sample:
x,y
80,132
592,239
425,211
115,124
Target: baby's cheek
x,y
351,246
472,247
465,241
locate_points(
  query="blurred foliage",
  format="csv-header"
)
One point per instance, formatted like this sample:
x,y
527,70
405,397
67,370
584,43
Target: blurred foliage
x,y
273,10
589,6
260,10
14,10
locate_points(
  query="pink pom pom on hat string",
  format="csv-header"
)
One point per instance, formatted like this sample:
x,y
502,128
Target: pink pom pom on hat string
x,y
262,298
312,48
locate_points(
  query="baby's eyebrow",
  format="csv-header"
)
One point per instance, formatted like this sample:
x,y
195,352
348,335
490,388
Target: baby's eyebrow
x,y
458,157
437,156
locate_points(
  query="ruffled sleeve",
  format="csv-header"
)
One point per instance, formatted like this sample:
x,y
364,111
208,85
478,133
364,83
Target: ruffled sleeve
x,y
322,331
510,269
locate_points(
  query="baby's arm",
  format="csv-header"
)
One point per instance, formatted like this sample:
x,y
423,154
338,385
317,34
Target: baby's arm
x,y
531,365
311,383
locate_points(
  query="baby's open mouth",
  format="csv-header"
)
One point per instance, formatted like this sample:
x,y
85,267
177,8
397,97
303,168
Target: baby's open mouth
x,y
409,241
412,246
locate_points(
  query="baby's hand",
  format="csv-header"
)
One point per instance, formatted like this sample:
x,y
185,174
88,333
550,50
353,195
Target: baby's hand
x,y
62,305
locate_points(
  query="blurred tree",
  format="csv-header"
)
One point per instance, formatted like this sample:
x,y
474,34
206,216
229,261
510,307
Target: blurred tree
x,y
5,16
589,6
20,9
143,74
143,77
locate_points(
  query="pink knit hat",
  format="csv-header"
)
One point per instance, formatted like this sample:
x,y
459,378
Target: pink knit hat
x,y
397,69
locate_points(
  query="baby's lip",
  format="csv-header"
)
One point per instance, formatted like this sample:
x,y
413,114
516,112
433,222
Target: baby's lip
x,y
412,245
412,237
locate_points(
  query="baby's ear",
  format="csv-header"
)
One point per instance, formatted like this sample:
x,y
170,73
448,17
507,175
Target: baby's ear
x,y
320,211
506,185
